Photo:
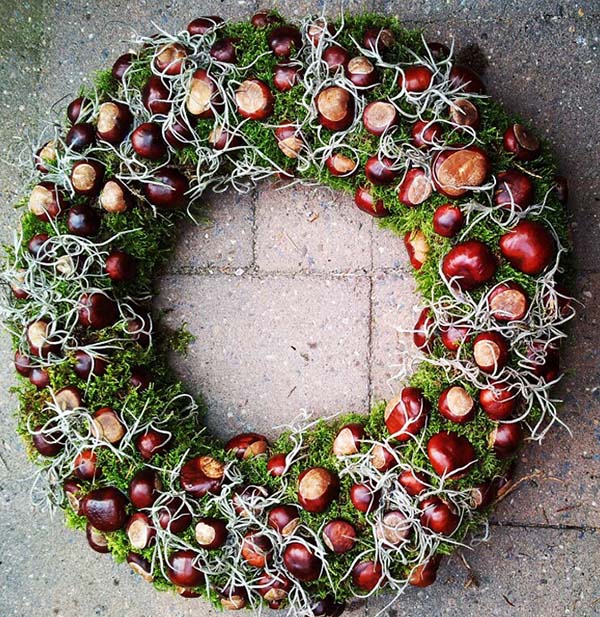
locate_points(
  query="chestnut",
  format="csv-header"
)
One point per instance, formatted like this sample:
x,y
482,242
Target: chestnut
x,y
405,414
456,405
469,264
347,441
115,197
464,79
96,539
317,29
174,515
85,466
277,465
105,508
335,107
438,50
233,598
464,112
107,426
140,565
289,140
249,500
83,221
202,475
506,438
144,488
178,134
543,360
37,245
80,136
44,155
46,201
140,531
148,142
222,139
378,39
361,72
498,401
451,455
16,285
327,607
415,188
168,190
367,575
86,177
97,311
439,516
341,165
508,302
317,488
490,351
247,445
561,188
301,562
457,171
425,133
416,247
86,364
152,442
393,528
201,25
155,96
273,588
363,497
204,96
529,247
365,201
521,143
113,123
170,58
263,19
68,398
284,519
425,573
120,266
78,109
224,50
210,533
382,458
448,220
379,116
254,99
74,493
413,482
482,495
39,338
422,332
415,79
257,549
514,188
285,40
339,536
335,57
182,569
122,63
379,171
22,364
49,442
285,76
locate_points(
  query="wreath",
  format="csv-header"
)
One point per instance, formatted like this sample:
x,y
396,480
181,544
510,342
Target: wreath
x,y
334,509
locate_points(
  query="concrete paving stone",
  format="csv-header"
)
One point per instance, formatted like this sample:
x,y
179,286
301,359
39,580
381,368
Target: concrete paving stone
x,y
223,238
525,572
271,346
315,230
389,252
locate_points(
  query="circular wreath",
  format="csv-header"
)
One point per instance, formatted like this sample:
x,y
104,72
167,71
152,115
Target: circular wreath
x,y
331,510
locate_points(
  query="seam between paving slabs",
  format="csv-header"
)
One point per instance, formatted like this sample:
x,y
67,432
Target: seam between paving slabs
x,y
550,526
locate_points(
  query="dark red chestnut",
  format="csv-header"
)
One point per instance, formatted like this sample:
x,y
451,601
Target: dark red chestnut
x,y
74,493
249,500
97,311
521,143
224,50
451,455
120,266
17,283
233,598
174,515
202,25
378,39
170,58
438,515
68,398
425,573
284,41
148,142
201,475
529,247
361,72
222,139
415,79
152,442
36,245
335,107
144,488
22,364
301,562
86,364
514,188
273,588
140,565
363,497
78,109
106,425
140,531
379,171
168,190
453,336
490,351
254,99
413,482
543,360
405,414
422,332
335,57
211,533
393,528
277,465
464,112
96,539
178,134
456,405
39,338
367,575
506,438
382,458
122,63
365,201
203,97
257,549
466,80
327,607
416,247
48,442
347,441
508,302
457,171
469,264
39,377
498,401
85,466
379,116
286,76
263,19
341,165
284,519
415,188
317,488
115,197
46,201
438,50
80,136
182,569
339,536
83,221
105,508
156,95
44,155
425,133
113,123
289,140
247,445
448,220
86,177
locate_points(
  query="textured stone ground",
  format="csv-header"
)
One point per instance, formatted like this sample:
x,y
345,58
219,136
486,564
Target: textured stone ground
x,y
291,295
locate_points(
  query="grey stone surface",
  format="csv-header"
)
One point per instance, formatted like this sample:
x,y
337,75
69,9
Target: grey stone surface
x,y
542,61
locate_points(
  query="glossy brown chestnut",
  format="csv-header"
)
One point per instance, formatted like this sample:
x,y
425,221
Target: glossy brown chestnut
x,y
105,508
425,133
301,562
36,245
203,97
233,598
44,156
122,63
456,405
249,500
543,359
490,351
97,311
140,565
86,177
335,57
174,515
508,302
80,136
83,221
529,247
335,107
417,248
422,331
202,25
155,96
274,588
263,19
317,488
361,72
426,573
415,79
85,466
39,338
107,426
498,401
201,475
464,112
120,266
222,139
114,122
96,539
17,285
47,442
152,442
365,201
454,335
144,488
341,165
439,516
289,140
254,99
140,531
363,497
284,41
456,172
277,465
170,58
367,575
405,414
379,171
379,117
178,134
415,188
469,264
286,76
224,50
211,533
327,607
74,494
348,439
284,519
247,445
382,458
413,482
506,438
148,142
168,190
68,398
22,364
257,549
79,109
466,80
514,189
393,528
339,536
115,197
378,39
182,569
448,220
451,455
46,201
521,143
